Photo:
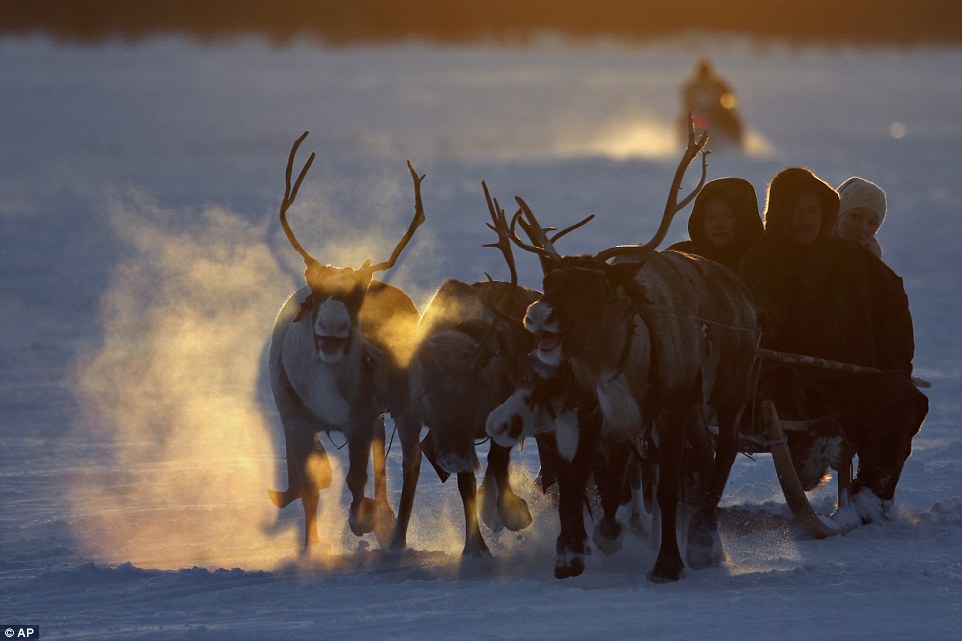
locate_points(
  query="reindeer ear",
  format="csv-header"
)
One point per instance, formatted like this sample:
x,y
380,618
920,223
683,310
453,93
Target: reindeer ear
x,y
305,307
366,273
314,274
621,274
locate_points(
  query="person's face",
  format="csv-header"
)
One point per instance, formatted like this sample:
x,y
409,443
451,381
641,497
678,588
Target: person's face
x,y
719,223
859,225
806,219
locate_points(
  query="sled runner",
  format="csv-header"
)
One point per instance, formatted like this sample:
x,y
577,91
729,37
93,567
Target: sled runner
x,y
769,435
795,496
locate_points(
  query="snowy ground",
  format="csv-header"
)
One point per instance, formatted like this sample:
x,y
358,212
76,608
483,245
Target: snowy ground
x,y
142,264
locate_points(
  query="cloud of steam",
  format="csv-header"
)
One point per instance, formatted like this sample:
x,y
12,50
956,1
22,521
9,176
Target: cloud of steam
x,y
642,136
636,137
178,388
179,398
343,223
174,392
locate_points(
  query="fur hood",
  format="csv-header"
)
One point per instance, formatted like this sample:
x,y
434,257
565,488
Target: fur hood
x,y
787,185
740,197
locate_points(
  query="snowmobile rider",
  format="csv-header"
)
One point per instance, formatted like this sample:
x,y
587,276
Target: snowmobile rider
x,y
713,106
822,296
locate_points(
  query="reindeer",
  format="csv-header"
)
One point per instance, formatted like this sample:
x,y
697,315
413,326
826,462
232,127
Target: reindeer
x,y
639,351
467,362
337,362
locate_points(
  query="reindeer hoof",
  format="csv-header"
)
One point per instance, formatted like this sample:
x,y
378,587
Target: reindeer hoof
x,y
666,572
608,536
476,551
282,499
572,565
362,517
514,512
570,560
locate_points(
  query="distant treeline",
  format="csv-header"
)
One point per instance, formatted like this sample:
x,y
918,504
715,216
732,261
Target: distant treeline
x,y
453,21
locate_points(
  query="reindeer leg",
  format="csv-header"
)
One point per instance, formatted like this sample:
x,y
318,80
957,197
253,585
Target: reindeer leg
x,y
310,500
572,545
474,544
384,521
608,534
409,430
293,492
704,543
361,518
308,467
639,481
308,472
671,433
570,548
488,500
725,453
512,509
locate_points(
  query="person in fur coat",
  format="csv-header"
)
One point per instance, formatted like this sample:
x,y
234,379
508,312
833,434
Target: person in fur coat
x,y
861,212
724,222
822,296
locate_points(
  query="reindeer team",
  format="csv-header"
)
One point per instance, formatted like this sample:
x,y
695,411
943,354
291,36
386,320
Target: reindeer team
x,y
616,369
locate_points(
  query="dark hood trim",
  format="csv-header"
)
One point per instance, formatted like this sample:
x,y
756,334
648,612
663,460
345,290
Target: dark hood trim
x,y
740,196
787,185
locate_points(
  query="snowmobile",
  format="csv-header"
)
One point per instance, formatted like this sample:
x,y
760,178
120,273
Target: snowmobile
x,y
712,105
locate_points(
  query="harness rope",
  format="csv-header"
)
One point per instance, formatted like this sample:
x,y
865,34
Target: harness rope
x,y
331,439
783,357
706,321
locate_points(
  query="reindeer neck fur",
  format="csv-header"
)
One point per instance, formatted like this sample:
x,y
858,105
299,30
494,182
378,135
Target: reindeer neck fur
x,y
332,391
615,364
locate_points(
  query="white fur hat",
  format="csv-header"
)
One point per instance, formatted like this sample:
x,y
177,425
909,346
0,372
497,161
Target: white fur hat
x,y
858,192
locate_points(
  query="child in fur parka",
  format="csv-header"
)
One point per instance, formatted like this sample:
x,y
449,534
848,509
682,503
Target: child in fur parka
x,y
724,222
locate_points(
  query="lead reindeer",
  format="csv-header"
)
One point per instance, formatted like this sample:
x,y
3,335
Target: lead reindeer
x,y
468,361
337,363
647,348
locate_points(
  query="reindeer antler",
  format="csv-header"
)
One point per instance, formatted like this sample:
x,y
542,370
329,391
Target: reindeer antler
x,y
541,244
291,193
498,224
672,207
566,230
415,223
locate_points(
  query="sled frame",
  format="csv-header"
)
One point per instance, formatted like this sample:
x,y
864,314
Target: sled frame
x,y
772,440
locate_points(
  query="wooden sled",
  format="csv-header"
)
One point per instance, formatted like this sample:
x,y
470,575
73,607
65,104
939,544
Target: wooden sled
x,y
818,526
772,440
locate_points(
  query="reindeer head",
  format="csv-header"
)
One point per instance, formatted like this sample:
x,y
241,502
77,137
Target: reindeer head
x,y
583,295
584,314
337,294
580,293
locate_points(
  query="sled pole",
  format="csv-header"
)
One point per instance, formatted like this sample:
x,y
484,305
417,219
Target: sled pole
x,y
824,363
